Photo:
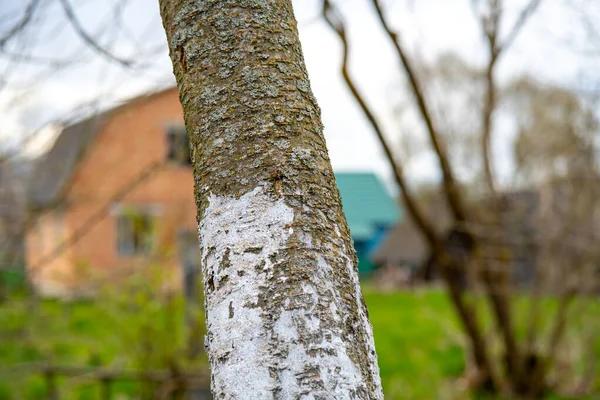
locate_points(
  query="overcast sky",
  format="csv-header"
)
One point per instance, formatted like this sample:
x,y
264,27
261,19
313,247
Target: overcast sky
x,y
428,27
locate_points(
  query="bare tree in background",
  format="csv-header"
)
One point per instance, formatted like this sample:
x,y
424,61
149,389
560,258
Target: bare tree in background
x,y
284,310
494,230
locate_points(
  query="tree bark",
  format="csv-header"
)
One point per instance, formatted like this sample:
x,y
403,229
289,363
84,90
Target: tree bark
x,y
284,311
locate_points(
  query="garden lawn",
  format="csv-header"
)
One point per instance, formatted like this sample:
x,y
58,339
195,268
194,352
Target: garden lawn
x,y
418,340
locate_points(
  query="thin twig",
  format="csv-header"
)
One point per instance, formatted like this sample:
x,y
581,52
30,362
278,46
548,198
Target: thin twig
x,y
490,25
334,20
75,23
450,184
524,15
23,22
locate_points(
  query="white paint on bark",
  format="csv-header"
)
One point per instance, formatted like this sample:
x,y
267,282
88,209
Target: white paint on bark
x,y
259,355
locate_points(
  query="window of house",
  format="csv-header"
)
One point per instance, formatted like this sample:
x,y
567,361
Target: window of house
x,y
135,232
178,145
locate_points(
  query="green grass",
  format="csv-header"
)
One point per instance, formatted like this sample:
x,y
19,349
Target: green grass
x,y
419,343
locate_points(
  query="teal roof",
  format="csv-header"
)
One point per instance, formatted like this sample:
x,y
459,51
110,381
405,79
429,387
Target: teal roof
x,y
366,202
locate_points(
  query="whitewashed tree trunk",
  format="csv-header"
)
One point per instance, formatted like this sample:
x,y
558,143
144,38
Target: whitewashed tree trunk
x,y
285,315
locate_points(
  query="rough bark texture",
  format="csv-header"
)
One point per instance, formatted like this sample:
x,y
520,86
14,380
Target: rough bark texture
x,y
285,315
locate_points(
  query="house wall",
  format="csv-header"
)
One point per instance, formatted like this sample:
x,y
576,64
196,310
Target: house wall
x,y
51,270
132,140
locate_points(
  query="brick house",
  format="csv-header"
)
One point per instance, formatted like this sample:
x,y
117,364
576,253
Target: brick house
x,y
115,192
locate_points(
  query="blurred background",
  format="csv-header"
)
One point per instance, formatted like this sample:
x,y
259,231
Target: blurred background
x,y
463,135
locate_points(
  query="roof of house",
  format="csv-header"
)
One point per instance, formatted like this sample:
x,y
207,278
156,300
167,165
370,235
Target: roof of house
x,y
53,170
366,203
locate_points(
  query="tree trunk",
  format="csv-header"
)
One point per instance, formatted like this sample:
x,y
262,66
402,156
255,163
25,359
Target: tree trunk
x,y
284,310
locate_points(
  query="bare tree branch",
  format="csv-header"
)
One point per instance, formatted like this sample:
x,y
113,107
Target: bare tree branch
x,y
490,25
524,15
450,184
450,267
74,21
23,22
333,19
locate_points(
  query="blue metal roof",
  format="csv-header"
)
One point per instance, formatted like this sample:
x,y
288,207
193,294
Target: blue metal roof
x,y
367,204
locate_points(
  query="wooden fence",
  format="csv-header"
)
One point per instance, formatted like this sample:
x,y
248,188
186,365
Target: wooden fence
x,y
166,384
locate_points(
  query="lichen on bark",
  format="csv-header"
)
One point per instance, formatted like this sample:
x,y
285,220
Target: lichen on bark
x,y
285,315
